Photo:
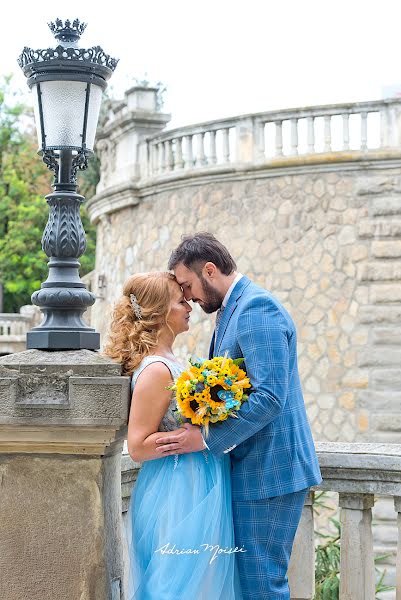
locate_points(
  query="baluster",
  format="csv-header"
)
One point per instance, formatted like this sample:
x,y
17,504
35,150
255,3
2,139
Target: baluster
x,y
260,141
155,158
162,156
385,127
169,155
327,133
279,138
190,157
200,154
301,570
397,505
311,134
179,163
294,137
346,132
212,148
357,570
364,131
226,145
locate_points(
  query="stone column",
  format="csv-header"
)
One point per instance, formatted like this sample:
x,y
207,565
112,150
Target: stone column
x,y
357,581
397,505
63,418
301,570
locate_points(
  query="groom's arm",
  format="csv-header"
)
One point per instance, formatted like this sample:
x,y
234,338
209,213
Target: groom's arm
x,y
263,336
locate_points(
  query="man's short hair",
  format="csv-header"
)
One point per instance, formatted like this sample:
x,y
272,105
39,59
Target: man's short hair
x,y
200,248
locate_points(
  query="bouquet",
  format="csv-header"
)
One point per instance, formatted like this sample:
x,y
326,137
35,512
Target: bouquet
x,y
211,390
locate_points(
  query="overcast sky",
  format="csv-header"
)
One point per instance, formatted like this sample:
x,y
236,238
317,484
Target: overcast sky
x,y
221,58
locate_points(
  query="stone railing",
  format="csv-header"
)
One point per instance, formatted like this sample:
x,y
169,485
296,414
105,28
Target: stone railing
x,y
14,327
359,473
364,127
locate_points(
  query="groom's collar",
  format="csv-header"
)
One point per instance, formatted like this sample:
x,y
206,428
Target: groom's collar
x,y
238,277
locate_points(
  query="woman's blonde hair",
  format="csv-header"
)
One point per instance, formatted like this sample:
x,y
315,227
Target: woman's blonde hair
x,y
138,317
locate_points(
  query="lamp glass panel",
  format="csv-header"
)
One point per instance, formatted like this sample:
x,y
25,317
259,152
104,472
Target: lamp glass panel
x,y
95,99
37,115
63,104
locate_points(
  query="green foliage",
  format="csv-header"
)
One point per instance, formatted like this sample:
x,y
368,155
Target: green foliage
x,y
24,180
327,559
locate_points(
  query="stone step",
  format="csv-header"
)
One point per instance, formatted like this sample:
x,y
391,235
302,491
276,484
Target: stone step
x,y
380,314
380,270
385,205
371,228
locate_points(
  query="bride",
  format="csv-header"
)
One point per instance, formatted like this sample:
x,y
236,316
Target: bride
x,y
180,529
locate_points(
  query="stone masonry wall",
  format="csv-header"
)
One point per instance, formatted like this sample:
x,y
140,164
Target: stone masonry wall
x,y
326,244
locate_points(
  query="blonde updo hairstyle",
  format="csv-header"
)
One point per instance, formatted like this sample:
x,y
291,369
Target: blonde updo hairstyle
x,y
135,333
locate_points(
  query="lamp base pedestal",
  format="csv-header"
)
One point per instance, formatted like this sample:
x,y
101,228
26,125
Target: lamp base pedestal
x,y
62,340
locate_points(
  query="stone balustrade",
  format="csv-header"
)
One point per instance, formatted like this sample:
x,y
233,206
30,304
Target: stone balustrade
x,y
359,473
353,129
14,327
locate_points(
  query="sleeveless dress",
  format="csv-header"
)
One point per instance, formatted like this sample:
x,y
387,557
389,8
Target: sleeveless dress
x,y
180,527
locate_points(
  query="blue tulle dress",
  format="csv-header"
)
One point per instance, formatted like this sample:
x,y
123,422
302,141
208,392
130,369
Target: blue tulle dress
x,y
180,528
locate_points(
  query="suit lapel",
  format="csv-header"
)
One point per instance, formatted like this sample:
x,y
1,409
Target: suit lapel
x,y
228,312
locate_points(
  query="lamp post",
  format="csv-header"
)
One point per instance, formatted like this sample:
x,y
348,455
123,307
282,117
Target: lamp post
x,y
67,84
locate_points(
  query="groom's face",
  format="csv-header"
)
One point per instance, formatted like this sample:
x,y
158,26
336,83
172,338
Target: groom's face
x,y
198,288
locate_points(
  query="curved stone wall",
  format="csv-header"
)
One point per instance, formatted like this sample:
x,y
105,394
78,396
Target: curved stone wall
x,y
325,239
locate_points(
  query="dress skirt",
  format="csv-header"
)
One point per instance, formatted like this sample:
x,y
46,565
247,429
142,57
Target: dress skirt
x,y
180,530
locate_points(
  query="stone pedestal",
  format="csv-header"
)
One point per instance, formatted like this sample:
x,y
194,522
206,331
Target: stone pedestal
x,y
62,423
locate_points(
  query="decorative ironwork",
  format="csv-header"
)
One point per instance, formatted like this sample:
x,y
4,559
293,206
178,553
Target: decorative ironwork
x,y
79,162
30,59
67,32
50,159
64,235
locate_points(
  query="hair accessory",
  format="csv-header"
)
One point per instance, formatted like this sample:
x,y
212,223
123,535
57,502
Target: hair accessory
x,y
135,306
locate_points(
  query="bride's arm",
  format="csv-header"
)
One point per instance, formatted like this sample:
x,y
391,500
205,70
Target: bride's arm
x,y
149,404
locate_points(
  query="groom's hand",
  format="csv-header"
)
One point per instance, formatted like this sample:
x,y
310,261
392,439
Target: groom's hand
x,y
189,440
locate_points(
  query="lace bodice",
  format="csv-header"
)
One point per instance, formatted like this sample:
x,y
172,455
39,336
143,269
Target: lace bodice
x,y
171,420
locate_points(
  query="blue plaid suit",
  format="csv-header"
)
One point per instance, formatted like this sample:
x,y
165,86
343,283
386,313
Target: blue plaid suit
x,y
273,457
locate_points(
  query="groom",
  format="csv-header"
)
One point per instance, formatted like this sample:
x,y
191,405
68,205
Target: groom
x,y
273,458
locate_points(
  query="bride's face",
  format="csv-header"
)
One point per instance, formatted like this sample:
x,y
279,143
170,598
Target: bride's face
x,y
178,318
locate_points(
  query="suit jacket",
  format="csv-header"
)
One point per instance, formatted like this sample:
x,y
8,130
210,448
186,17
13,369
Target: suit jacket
x,y
273,452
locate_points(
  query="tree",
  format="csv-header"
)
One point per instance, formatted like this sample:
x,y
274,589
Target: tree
x,y
24,180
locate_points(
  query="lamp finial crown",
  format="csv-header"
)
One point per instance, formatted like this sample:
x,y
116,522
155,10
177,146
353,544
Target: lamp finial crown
x,y
67,31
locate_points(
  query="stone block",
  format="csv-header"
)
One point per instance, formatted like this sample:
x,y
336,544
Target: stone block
x,y
385,293
386,335
388,422
379,228
377,401
389,205
382,356
386,379
379,314
380,271
386,249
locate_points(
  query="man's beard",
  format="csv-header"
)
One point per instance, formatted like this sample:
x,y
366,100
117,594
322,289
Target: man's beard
x,y
213,298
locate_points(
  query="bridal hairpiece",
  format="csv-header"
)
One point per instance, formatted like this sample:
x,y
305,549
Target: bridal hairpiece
x,y
136,308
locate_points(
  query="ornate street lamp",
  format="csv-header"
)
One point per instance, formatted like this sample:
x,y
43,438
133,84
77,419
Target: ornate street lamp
x,y
67,84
